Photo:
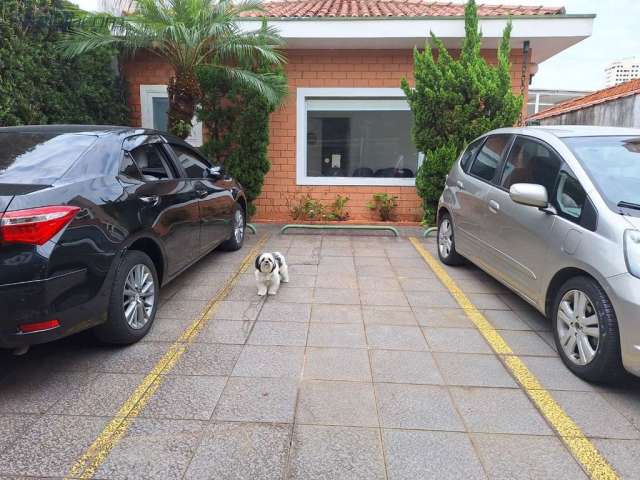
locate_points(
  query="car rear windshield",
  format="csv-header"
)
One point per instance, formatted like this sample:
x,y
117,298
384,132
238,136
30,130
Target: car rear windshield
x,y
39,158
613,163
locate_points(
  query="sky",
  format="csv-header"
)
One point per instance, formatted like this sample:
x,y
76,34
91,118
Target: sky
x,y
581,67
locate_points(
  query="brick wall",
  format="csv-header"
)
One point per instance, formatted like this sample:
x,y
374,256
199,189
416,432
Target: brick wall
x,y
314,68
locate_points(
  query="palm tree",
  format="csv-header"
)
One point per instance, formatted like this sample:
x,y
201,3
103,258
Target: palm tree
x,y
188,34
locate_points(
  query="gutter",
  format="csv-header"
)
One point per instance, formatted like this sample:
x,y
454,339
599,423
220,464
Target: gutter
x,y
452,17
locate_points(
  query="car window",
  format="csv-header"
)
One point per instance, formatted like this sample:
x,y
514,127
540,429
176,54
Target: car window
x,y
152,162
570,197
530,161
488,159
469,153
193,165
128,168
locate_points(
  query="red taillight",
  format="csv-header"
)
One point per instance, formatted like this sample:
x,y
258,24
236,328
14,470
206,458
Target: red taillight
x,y
39,327
35,225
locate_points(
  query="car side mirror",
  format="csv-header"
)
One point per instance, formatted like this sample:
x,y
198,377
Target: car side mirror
x,y
529,194
216,172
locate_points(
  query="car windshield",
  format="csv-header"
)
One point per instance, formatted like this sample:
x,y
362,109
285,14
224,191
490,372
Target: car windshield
x,y
613,163
39,158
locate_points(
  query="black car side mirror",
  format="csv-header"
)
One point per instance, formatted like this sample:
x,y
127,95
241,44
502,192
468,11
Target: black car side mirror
x,y
215,172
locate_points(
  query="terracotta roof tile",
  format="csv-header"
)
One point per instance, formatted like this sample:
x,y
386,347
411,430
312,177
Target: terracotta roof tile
x,y
631,87
389,8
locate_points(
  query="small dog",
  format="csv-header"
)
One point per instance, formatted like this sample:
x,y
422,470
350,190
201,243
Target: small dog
x,y
271,269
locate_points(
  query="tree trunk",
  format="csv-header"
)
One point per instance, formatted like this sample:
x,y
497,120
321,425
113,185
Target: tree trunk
x,y
184,95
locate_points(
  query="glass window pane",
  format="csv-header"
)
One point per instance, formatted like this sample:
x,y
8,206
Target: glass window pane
x,y
129,168
570,197
193,165
368,143
489,157
151,162
469,153
160,113
531,162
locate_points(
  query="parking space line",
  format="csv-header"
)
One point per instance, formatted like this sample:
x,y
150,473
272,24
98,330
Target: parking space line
x,y
591,460
86,466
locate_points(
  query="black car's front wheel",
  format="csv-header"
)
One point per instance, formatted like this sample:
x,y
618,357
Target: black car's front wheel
x,y
133,302
586,330
238,228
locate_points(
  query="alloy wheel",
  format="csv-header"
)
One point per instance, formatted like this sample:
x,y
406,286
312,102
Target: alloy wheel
x,y
445,238
578,327
139,296
238,226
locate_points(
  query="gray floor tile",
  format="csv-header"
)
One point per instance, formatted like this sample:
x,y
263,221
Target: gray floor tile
x,y
225,331
456,340
442,317
285,312
430,455
595,416
167,329
181,308
534,319
514,302
338,296
300,281
336,335
269,361
394,366
257,400
152,449
337,364
380,271
185,397
384,297
419,270
416,407
377,284
523,457
228,310
337,280
553,375
505,320
60,440
422,285
487,301
279,333
473,370
622,455
241,451
208,359
498,410
136,358
361,261
293,295
526,343
320,452
12,426
336,313
337,403
395,337
335,266
431,299
388,315
302,270
486,285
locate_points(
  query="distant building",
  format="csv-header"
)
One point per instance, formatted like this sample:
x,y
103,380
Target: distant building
x,y
617,106
622,71
540,99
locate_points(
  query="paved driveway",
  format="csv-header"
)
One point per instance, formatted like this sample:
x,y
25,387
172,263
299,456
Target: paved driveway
x,y
363,367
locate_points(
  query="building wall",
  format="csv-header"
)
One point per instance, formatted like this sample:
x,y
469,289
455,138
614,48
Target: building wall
x,y
315,68
624,112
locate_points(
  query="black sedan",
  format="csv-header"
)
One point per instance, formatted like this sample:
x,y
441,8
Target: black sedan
x,y
94,220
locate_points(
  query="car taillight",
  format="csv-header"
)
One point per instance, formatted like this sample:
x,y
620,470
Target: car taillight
x,y
36,225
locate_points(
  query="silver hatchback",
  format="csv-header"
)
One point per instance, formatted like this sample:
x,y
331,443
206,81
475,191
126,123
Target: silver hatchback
x,y
554,214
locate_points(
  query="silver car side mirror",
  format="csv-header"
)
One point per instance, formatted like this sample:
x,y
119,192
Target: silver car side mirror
x,y
529,194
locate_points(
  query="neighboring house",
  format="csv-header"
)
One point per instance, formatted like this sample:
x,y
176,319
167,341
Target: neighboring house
x,y
542,99
621,71
617,106
345,127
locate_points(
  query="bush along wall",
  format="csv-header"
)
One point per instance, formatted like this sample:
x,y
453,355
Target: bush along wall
x,y
236,120
37,86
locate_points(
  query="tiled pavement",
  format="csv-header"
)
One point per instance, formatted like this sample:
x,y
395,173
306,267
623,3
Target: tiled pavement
x,y
361,368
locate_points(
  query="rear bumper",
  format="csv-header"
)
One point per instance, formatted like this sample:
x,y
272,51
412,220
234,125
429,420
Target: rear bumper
x,y
624,291
58,298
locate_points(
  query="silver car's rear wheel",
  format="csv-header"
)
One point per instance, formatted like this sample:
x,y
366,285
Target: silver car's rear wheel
x,y
578,327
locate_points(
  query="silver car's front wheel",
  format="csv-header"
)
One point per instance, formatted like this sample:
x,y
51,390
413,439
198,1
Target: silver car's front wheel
x,y
578,327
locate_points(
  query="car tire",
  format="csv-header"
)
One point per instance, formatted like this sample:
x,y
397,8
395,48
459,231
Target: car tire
x,y
446,242
137,274
574,327
238,230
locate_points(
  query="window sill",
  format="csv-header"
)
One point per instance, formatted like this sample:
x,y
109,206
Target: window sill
x,y
357,181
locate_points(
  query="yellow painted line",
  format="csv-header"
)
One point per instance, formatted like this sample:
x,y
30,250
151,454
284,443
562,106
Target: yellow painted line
x,y
87,465
592,461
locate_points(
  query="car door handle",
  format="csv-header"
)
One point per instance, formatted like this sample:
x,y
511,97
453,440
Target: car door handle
x,y
152,200
202,192
460,185
494,206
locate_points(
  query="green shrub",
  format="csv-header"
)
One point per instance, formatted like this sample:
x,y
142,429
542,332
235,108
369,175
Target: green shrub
x,y
37,86
384,204
338,209
307,208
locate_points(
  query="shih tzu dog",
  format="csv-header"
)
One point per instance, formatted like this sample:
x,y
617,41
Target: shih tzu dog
x,y
271,269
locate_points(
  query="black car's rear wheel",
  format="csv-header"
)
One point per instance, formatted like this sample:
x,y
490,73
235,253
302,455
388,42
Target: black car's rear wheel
x,y
446,242
133,302
238,228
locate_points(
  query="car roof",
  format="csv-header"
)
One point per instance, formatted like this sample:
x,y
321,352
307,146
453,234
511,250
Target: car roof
x,y
563,131
96,130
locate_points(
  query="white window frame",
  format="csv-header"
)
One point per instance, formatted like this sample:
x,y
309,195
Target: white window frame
x,y
351,95
147,94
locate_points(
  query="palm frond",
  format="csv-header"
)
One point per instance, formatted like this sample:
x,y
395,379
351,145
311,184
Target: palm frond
x,y
269,85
